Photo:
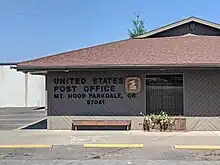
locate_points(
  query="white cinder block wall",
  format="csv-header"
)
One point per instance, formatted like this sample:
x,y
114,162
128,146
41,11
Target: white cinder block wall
x,y
15,91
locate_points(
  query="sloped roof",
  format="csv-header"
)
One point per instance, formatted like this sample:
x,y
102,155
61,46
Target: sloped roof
x,y
179,23
167,51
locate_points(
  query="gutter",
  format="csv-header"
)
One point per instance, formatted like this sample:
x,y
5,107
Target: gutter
x,y
127,67
8,63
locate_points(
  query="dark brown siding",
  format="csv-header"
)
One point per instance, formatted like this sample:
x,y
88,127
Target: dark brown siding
x,y
202,93
199,29
112,107
201,101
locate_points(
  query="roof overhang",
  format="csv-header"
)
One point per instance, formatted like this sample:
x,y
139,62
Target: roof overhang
x,y
8,64
43,70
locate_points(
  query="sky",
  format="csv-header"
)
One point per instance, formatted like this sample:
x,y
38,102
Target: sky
x,y
31,29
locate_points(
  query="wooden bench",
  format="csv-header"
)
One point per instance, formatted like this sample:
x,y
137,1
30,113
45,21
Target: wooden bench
x,y
76,123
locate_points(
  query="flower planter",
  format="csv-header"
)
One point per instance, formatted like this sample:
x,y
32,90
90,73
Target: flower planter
x,y
163,122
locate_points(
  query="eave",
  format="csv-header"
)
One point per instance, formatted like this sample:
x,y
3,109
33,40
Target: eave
x,y
44,70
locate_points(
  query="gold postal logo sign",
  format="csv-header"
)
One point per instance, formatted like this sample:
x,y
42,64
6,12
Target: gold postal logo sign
x,y
133,84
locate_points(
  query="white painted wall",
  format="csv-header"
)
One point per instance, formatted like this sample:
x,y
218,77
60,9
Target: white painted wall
x,y
13,92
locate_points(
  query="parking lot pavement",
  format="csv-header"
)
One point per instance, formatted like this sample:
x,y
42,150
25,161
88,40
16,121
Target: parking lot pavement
x,y
158,148
13,118
108,162
79,155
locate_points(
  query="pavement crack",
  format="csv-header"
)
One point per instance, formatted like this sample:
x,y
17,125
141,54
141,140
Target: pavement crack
x,y
164,138
98,156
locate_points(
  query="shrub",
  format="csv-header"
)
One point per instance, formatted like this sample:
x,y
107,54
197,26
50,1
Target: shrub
x,y
162,119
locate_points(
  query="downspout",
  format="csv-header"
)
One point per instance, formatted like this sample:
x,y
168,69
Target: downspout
x,y
45,92
26,89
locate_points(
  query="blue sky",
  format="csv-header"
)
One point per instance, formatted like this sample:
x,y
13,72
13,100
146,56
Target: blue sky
x,y
35,28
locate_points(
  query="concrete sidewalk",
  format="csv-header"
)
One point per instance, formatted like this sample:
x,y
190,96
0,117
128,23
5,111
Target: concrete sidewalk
x,y
50,137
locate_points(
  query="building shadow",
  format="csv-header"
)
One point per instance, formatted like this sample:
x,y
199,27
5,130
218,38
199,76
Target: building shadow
x,y
39,108
102,128
39,125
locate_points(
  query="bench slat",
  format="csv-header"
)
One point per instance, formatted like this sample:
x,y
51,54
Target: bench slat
x,y
101,122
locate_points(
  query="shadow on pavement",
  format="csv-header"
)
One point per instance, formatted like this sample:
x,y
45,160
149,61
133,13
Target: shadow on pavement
x,y
39,108
40,125
43,125
103,128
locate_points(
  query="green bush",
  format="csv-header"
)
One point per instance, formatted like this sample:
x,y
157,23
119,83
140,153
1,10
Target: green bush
x,y
162,119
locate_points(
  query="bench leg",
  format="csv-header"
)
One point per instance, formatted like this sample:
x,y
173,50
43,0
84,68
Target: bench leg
x,y
75,128
127,127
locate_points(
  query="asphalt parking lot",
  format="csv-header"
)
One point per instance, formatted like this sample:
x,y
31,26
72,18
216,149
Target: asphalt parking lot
x,y
67,147
158,149
79,155
13,118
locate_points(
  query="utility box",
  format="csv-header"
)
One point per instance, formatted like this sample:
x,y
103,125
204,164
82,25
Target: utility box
x,y
180,124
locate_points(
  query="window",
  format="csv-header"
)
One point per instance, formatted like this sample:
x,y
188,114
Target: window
x,y
164,92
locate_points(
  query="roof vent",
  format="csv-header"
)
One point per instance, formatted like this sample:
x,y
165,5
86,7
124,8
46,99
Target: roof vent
x,y
192,26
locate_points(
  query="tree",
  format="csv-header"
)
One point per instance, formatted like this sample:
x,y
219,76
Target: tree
x,y
138,29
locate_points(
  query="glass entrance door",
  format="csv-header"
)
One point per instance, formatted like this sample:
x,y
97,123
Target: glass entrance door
x,y
164,92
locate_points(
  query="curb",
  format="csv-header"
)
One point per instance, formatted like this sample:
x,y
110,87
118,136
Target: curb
x,y
25,146
113,145
197,147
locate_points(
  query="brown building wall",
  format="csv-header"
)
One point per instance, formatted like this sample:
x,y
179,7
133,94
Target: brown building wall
x,y
199,29
202,100
201,89
202,93
120,105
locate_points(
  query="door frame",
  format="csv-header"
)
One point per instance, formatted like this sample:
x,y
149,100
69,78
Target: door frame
x,y
164,73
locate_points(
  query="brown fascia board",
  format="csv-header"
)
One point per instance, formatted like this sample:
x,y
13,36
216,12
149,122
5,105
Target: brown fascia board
x,y
179,23
41,73
8,63
114,67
